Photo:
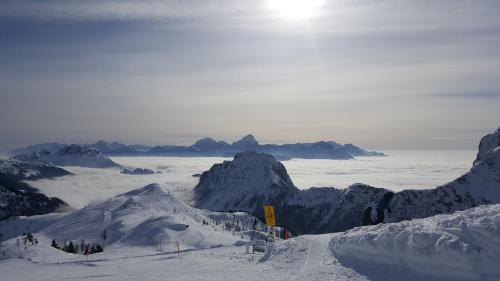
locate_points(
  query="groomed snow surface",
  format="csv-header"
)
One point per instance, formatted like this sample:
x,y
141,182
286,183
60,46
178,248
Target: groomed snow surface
x,y
144,225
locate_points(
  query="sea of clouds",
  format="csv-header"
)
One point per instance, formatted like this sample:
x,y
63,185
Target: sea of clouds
x,y
400,170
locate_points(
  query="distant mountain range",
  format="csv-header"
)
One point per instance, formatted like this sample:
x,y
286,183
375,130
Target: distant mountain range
x,y
68,155
253,179
17,198
211,147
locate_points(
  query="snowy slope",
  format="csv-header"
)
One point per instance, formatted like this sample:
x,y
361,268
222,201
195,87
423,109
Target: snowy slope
x,y
461,246
146,216
464,246
71,155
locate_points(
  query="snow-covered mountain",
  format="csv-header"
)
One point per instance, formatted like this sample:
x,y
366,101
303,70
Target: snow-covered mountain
x,y
481,185
247,142
108,148
245,183
71,155
211,147
254,179
145,217
18,198
114,148
33,170
316,150
50,146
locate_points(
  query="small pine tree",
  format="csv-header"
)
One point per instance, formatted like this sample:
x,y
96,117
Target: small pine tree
x,y
54,244
71,248
98,249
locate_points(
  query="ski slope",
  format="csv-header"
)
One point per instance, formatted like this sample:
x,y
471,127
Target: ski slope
x,y
463,246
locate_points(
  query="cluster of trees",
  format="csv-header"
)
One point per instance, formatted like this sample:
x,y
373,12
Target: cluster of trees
x,y
29,238
75,248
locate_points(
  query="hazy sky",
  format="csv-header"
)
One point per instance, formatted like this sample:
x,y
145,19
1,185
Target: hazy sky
x,y
381,74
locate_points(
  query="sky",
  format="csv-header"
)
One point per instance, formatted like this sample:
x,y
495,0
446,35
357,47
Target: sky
x,y
379,74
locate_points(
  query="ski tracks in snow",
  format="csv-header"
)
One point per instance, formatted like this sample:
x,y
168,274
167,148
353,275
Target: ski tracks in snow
x,y
308,258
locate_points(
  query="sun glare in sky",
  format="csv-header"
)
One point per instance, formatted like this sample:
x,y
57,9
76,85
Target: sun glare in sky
x,y
294,9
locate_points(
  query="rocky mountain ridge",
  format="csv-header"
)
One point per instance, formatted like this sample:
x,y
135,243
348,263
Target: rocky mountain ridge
x,y
210,147
254,179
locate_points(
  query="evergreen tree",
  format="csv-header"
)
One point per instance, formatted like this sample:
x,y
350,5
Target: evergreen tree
x,y
54,244
71,248
98,249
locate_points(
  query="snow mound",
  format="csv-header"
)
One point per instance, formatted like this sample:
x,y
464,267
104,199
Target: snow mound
x,y
461,246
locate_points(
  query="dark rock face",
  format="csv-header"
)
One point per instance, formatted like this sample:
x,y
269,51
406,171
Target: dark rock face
x,y
137,171
20,199
253,179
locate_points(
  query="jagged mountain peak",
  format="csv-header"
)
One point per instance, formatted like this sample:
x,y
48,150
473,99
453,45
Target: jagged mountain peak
x,y
209,144
489,147
248,140
78,149
249,180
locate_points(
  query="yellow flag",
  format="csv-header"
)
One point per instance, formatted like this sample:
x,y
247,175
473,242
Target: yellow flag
x,y
269,215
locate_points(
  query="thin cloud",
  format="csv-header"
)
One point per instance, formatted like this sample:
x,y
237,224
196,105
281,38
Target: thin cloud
x,y
468,95
119,10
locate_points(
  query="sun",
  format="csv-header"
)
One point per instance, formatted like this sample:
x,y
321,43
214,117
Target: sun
x,y
294,9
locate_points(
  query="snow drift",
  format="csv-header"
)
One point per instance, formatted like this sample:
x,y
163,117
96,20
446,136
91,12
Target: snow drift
x,y
461,246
